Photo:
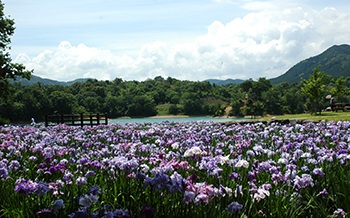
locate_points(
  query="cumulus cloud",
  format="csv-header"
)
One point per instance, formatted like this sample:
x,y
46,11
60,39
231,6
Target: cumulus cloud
x,y
261,44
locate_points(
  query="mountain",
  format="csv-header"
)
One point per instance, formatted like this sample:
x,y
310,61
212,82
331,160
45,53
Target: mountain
x,y
224,82
334,61
36,79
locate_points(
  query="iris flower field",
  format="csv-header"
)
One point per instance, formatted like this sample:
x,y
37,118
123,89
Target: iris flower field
x,y
168,169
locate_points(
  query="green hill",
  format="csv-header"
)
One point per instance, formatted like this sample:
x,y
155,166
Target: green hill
x,y
224,82
36,79
334,61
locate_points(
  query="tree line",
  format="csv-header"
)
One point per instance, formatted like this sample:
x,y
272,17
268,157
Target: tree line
x,y
160,96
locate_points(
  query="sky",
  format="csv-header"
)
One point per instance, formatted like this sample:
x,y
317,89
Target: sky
x,y
191,40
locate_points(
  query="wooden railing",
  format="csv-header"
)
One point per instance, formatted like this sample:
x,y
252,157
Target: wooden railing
x,y
76,119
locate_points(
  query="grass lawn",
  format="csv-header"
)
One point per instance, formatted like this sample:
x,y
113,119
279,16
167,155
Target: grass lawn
x,y
327,116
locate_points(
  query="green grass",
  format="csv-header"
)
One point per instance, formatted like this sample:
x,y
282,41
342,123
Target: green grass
x,y
163,109
327,116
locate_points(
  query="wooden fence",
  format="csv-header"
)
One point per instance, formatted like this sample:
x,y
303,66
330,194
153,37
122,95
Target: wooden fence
x,y
76,119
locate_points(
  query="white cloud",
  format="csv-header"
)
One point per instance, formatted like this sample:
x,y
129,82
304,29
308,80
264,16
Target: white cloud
x,y
261,44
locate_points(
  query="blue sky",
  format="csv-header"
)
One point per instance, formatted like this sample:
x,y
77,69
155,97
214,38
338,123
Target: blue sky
x,y
184,39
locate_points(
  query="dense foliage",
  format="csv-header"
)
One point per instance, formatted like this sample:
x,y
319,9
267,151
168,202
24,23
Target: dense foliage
x,y
335,61
8,69
170,96
194,169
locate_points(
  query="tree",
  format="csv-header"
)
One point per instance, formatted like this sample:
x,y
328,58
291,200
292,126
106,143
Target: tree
x,y
261,86
272,99
192,104
35,102
62,102
8,70
141,106
314,90
340,90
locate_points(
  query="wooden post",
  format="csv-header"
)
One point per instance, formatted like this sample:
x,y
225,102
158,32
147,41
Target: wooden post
x,y
106,119
62,118
73,117
98,119
81,119
91,120
46,120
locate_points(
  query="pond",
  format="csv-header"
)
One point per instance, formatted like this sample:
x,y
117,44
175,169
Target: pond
x,y
124,121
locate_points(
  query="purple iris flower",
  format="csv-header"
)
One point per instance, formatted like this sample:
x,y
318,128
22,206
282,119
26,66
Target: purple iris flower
x,y
24,186
3,173
32,158
57,206
81,213
45,212
234,207
235,175
189,196
81,180
201,198
83,161
304,181
176,183
160,181
94,190
53,169
68,176
96,164
318,171
121,213
140,176
90,173
324,192
339,213
14,165
87,200
41,188
305,168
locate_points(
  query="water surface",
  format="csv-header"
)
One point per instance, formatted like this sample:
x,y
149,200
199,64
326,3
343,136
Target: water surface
x,y
124,121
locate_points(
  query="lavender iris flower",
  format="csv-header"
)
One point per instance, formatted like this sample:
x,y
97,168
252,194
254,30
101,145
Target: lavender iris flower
x,y
87,200
234,207
81,213
121,213
24,186
318,171
339,213
81,181
41,188
304,181
189,196
3,173
57,206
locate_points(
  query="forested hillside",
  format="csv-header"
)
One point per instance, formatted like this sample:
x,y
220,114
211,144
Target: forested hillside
x,y
334,61
36,79
160,96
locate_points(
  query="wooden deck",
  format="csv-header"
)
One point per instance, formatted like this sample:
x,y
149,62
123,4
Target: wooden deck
x,y
76,119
